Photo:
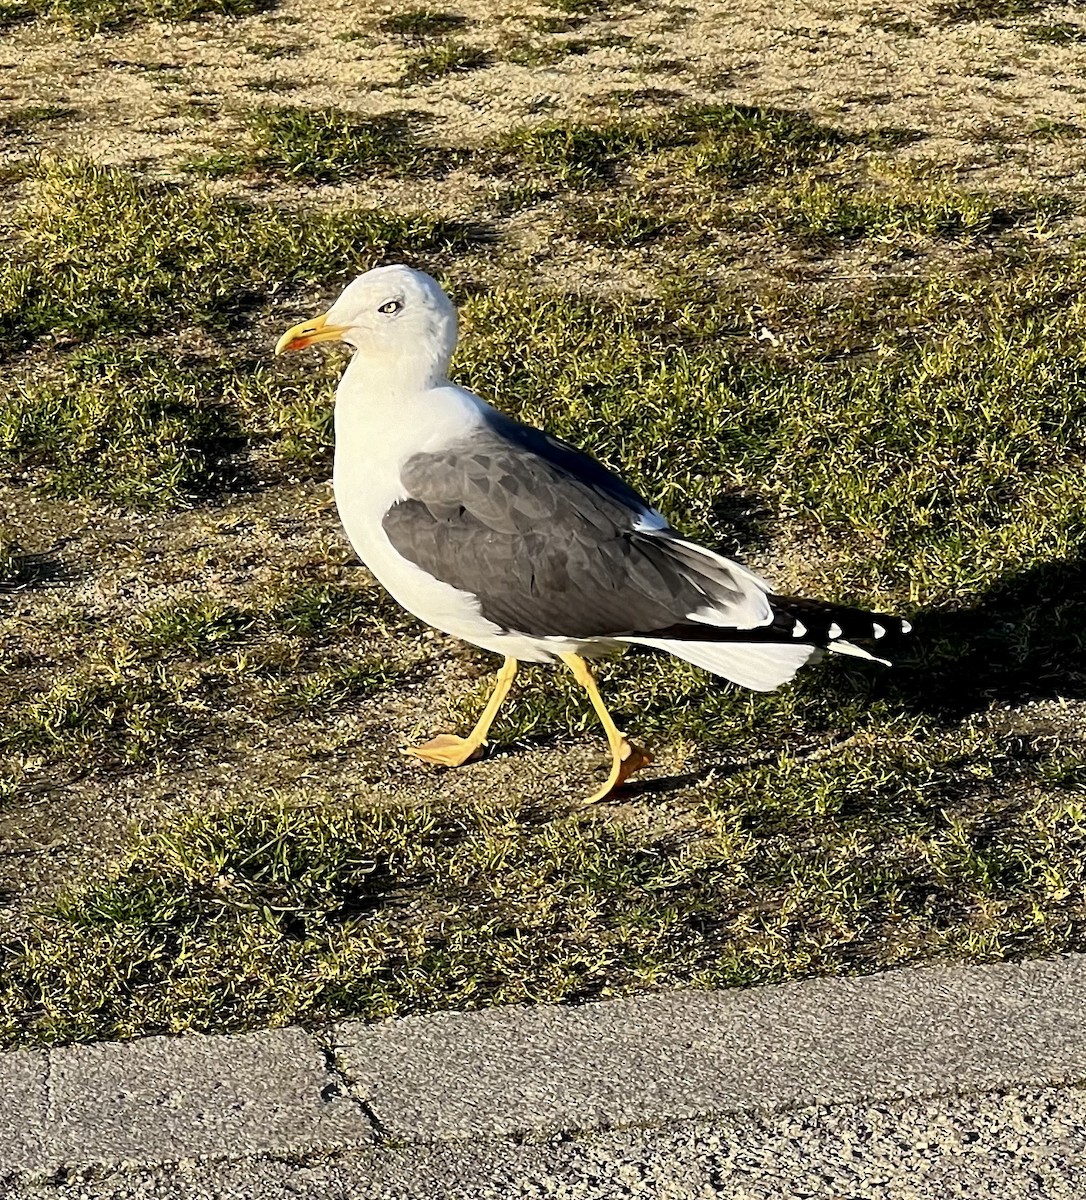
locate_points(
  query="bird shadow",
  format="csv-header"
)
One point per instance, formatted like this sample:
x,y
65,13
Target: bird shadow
x,y
1021,640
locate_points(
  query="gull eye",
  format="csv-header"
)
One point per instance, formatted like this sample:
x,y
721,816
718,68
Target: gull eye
x,y
391,306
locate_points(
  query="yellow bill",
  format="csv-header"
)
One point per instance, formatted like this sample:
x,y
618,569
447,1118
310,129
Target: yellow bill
x,y
308,333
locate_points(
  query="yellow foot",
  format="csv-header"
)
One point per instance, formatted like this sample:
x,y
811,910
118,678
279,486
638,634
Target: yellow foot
x,y
630,758
447,750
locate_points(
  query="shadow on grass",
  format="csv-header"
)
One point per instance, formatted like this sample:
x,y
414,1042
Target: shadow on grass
x,y
32,570
1024,639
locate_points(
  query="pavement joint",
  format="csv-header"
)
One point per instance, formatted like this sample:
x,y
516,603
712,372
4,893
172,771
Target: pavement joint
x,y
342,1086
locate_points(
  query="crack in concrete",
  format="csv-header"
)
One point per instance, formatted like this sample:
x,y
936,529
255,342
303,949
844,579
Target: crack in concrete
x,y
341,1084
47,1087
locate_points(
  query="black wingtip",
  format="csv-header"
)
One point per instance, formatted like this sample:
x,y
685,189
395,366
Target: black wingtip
x,y
824,624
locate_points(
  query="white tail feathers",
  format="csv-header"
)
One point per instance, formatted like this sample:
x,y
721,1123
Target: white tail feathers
x,y
761,666
857,652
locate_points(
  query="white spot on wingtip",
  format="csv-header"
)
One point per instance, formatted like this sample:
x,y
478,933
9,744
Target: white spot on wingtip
x,y
835,630
879,631
906,627
799,629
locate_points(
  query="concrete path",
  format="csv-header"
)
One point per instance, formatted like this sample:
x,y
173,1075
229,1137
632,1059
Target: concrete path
x,y
909,1064
1025,1146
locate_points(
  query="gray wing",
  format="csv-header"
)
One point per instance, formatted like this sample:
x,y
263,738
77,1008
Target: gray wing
x,y
548,541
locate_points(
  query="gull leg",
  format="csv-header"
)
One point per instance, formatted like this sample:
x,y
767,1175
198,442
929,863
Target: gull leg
x,y
625,756
448,750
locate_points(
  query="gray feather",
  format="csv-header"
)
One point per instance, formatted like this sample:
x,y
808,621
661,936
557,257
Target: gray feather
x,y
549,541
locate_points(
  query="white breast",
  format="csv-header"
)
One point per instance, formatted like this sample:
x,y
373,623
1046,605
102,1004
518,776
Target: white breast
x,y
375,435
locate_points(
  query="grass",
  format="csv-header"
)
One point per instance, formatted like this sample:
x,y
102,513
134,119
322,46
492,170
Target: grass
x,y
129,424
91,433
21,121
717,143
106,262
908,440
1046,130
988,10
431,63
620,224
417,24
1056,33
817,209
291,908
101,248
802,432
326,145
117,714
166,679
92,16
530,52
15,12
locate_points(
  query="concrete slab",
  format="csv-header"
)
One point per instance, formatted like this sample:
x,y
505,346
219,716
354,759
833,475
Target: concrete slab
x,y
161,1099
918,1032
1021,1146
23,1077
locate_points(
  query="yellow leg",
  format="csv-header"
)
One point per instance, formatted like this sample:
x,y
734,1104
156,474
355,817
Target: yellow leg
x,y
625,757
448,750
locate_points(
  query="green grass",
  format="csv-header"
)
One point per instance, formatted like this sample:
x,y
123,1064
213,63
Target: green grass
x,y
431,63
974,428
289,908
1046,130
106,260
815,209
620,224
582,8
92,16
530,52
716,143
907,440
327,145
1057,33
15,12
100,249
117,714
275,84
128,423
713,144
420,23
21,121
550,24
119,425
162,681
988,10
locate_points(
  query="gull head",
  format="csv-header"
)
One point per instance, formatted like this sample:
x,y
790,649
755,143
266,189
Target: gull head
x,y
395,317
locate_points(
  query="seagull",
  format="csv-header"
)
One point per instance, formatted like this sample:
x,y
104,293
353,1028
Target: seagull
x,y
516,541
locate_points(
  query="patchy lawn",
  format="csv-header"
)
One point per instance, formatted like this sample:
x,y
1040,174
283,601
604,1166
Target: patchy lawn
x,y
819,340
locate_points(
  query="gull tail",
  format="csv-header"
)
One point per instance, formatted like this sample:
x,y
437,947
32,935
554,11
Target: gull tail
x,y
765,657
762,667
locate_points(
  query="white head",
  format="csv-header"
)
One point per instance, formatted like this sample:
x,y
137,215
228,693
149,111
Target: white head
x,y
399,320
